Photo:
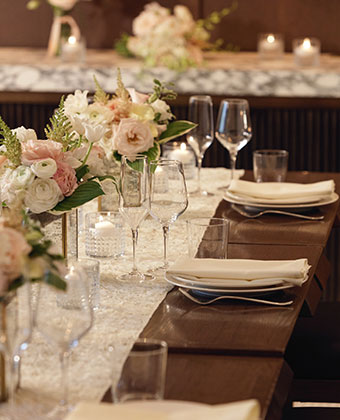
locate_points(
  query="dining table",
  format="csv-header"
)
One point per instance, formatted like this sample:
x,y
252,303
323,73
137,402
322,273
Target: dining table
x,y
218,353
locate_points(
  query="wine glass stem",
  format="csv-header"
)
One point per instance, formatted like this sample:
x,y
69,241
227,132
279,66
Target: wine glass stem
x,y
165,238
233,164
199,166
64,359
134,245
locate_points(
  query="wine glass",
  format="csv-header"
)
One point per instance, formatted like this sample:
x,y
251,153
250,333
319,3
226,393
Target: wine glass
x,y
63,318
168,196
134,203
233,127
201,137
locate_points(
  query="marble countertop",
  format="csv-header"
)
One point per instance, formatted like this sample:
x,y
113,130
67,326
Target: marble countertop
x,y
234,74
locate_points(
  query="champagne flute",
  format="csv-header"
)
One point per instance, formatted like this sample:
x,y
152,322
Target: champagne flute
x,y
201,137
63,318
233,127
134,203
168,196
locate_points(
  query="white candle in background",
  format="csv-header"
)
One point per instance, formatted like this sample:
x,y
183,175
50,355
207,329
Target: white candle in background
x,y
306,52
183,154
270,46
104,228
73,50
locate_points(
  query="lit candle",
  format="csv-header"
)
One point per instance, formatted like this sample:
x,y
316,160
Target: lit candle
x,y
73,49
183,154
270,46
306,52
104,228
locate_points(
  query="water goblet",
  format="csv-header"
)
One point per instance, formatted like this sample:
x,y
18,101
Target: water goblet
x,y
134,204
201,137
63,318
168,197
233,128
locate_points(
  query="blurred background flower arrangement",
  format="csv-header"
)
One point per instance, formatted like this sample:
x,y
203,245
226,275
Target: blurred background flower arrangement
x,y
174,40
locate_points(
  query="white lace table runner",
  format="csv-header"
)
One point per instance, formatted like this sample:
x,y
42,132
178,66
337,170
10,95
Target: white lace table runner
x,y
124,311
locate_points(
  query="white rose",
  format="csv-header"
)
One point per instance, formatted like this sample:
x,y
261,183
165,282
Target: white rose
x,y
42,195
45,168
185,16
94,133
162,108
132,137
76,103
13,183
24,134
63,4
146,21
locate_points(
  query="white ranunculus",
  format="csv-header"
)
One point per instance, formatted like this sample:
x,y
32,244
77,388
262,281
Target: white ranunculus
x,y
162,108
21,177
43,195
94,133
63,4
45,168
98,114
24,134
76,103
132,137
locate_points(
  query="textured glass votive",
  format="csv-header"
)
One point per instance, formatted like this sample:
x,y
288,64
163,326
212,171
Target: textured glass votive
x,y
306,52
270,46
104,235
176,150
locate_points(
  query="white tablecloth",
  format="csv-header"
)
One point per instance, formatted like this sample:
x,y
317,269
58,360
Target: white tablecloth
x,y
124,311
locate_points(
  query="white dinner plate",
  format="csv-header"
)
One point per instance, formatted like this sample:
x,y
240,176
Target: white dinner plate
x,y
231,198
223,290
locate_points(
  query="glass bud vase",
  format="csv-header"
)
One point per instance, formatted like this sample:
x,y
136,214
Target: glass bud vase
x,y
69,233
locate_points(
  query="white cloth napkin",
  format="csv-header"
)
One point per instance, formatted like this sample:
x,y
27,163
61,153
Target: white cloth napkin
x,y
212,270
281,192
163,410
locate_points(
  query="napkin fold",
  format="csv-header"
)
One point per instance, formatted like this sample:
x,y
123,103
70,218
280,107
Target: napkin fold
x,y
214,270
162,410
281,192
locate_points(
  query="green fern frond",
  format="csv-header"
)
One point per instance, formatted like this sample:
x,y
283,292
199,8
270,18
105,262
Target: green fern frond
x,y
100,95
11,142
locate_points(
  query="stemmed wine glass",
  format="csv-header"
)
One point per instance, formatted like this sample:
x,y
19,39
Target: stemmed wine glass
x,y
168,196
233,127
134,203
63,318
201,137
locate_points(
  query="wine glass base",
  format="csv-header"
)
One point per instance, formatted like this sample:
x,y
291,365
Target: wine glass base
x,y
201,193
136,277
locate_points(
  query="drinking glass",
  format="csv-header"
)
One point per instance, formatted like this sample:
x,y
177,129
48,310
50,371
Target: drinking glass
x,y
168,196
233,127
270,165
63,318
201,137
134,203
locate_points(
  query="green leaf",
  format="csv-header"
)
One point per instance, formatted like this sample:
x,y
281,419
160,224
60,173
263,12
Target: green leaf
x,y
176,129
82,171
153,153
54,280
84,193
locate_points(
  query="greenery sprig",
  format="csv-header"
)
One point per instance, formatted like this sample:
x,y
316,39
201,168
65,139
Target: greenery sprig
x,y
161,91
11,142
100,95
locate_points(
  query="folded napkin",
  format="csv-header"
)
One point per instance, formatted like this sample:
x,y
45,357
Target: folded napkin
x,y
214,270
166,410
281,192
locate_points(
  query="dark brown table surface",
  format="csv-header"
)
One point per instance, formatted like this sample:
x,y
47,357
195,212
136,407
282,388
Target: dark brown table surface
x,y
233,351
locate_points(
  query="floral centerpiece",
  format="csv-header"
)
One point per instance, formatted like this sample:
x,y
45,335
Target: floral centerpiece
x,y
63,25
176,40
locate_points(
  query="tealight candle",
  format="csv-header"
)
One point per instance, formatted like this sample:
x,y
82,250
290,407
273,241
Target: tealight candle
x,y
306,51
73,50
180,151
270,46
104,228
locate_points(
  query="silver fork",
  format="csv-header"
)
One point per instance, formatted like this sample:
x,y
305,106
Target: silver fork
x,y
253,215
233,297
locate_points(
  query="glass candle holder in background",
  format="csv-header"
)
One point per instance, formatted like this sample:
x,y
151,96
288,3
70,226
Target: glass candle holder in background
x,y
306,52
180,151
270,46
270,165
104,235
73,50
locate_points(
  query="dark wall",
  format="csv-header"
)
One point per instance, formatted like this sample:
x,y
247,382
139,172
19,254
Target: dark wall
x,y
101,21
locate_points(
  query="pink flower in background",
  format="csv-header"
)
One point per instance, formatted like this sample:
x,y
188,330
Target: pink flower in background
x,y
65,178
34,150
13,248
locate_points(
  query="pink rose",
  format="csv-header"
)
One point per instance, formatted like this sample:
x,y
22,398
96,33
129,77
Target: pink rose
x,y
33,150
132,137
65,178
13,248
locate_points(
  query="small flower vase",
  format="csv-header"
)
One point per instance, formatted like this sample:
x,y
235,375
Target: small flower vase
x,y
69,233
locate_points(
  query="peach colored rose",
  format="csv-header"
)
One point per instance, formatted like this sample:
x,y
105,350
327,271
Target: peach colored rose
x,y
34,150
132,137
13,248
65,178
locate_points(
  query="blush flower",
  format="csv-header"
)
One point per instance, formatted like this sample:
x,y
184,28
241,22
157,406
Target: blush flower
x,y
36,150
132,137
66,179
